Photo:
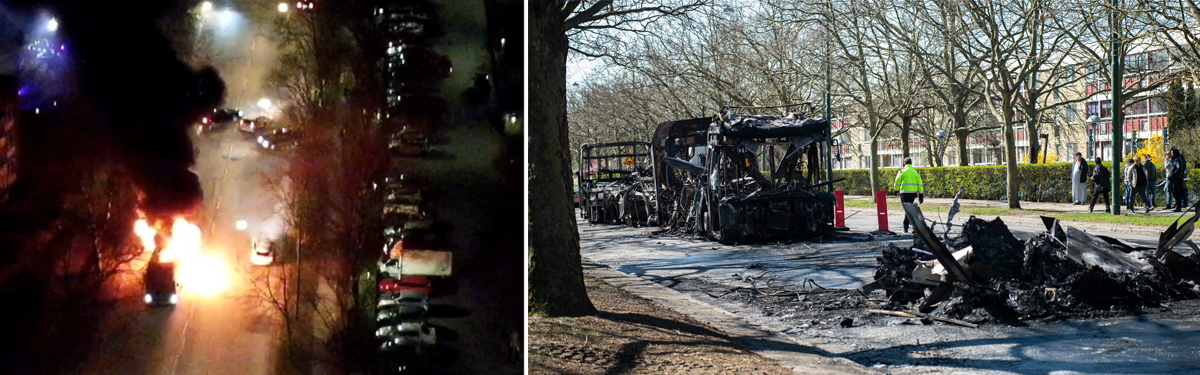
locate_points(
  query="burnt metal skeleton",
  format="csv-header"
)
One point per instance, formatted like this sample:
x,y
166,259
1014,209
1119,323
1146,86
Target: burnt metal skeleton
x,y
615,182
741,177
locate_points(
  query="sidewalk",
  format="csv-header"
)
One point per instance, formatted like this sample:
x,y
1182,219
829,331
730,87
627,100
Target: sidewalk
x,y
799,357
1032,219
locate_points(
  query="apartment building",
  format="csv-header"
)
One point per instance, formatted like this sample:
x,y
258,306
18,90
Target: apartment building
x,y
8,134
1065,128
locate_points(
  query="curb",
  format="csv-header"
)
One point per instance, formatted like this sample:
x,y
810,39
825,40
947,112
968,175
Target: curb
x,y
1036,222
800,358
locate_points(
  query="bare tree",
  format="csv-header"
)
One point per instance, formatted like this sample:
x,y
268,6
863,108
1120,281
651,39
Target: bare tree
x,y
1014,44
555,275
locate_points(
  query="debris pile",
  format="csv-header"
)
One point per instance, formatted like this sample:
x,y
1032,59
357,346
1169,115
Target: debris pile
x,y
986,274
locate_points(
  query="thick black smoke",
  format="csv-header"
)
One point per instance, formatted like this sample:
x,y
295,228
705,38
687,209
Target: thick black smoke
x,y
145,95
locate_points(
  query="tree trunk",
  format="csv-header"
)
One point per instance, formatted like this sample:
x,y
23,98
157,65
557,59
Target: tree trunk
x,y
905,132
555,271
962,134
1010,159
1035,145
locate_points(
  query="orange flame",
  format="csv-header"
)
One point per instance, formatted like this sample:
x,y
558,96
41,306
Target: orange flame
x,y
195,271
146,233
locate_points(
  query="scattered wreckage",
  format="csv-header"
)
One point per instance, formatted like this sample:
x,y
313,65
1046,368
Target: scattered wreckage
x,y
732,177
986,274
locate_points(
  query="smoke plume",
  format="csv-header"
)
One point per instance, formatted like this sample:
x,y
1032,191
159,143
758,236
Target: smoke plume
x,y
145,95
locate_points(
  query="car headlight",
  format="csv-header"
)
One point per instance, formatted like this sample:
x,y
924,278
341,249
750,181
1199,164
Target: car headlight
x,y
174,298
148,298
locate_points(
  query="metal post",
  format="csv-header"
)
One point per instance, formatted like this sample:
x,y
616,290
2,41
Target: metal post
x,y
1118,115
829,136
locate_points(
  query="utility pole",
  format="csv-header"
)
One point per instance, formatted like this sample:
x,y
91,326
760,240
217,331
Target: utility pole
x,y
829,134
1118,115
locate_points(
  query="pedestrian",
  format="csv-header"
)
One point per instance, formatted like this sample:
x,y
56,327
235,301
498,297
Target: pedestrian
x,y
1138,185
1167,189
1128,182
1151,180
1101,186
1175,173
1079,178
908,183
1184,169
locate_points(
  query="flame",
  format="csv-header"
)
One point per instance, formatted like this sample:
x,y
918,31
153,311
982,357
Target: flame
x,y
184,242
204,274
196,270
143,230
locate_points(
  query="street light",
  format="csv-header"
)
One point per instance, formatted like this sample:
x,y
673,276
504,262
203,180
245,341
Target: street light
x,y
242,225
226,16
264,103
52,24
283,7
206,7
1095,121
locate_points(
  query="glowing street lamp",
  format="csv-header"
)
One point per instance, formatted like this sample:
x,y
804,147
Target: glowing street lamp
x,y
283,7
226,16
52,25
264,103
242,225
206,7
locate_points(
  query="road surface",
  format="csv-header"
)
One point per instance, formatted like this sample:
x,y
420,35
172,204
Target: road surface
x,y
1162,342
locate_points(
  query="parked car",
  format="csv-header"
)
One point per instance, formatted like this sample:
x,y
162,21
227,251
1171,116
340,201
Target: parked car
x,y
406,335
415,284
280,139
218,120
404,301
255,125
262,252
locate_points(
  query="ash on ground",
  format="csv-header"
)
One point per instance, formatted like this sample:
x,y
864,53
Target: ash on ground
x,y
1057,274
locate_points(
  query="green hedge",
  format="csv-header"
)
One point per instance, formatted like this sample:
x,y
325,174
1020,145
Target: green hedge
x,y
1036,182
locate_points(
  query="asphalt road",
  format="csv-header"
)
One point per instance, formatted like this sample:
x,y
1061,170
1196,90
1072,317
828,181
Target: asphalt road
x,y
227,333
1164,342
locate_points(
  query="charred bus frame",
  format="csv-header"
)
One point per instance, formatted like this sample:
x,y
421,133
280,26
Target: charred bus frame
x,y
616,184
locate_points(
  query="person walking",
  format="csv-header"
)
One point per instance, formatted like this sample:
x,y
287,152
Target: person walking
x,y
1167,189
1139,185
1079,178
1128,182
1151,181
908,183
1181,188
1175,173
1101,186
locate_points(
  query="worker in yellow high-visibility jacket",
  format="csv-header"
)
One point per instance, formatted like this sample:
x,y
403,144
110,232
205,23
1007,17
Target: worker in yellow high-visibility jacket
x,y
908,183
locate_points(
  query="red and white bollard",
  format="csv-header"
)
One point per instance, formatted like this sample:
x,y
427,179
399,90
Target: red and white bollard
x,y
839,209
881,207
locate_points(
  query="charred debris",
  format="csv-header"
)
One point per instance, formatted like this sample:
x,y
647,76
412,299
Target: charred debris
x,y
732,177
986,274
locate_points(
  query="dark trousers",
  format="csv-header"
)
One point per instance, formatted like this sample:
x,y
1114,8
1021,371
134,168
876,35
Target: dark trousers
x,y
907,198
1139,192
1180,193
1096,194
1151,191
